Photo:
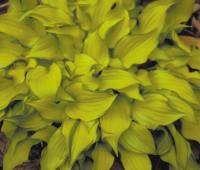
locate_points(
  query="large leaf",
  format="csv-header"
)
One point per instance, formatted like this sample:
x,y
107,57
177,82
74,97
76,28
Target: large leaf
x,y
180,153
68,128
132,91
32,121
49,109
192,164
45,48
165,80
44,134
18,150
164,142
19,30
19,69
99,11
84,136
109,123
17,6
178,104
83,64
136,161
88,105
115,79
60,4
49,16
9,90
56,151
95,47
178,14
153,15
8,128
44,82
116,25
131,48
9,52
102,158
194,61
138,139
154,111
190,130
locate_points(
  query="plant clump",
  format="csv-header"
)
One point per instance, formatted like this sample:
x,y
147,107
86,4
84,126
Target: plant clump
x,y
96,84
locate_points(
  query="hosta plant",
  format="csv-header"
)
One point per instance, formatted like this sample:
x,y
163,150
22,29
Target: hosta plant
x,y
95,82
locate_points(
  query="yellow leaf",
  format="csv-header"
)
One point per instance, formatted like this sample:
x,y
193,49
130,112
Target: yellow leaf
x,y
88,105
83,138
135,161
138,139
109,122
44,82
131,48
165,80
102,158
112,78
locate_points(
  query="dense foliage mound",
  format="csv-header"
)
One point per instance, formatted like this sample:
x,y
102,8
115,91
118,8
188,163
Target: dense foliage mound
x,y
92,82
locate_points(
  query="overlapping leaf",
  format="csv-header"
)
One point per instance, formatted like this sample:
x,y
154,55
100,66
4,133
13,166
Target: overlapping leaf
x,y
131,48
88,105
100,82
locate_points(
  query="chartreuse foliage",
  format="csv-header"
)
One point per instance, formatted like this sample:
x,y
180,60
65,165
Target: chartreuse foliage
x,y
86,65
